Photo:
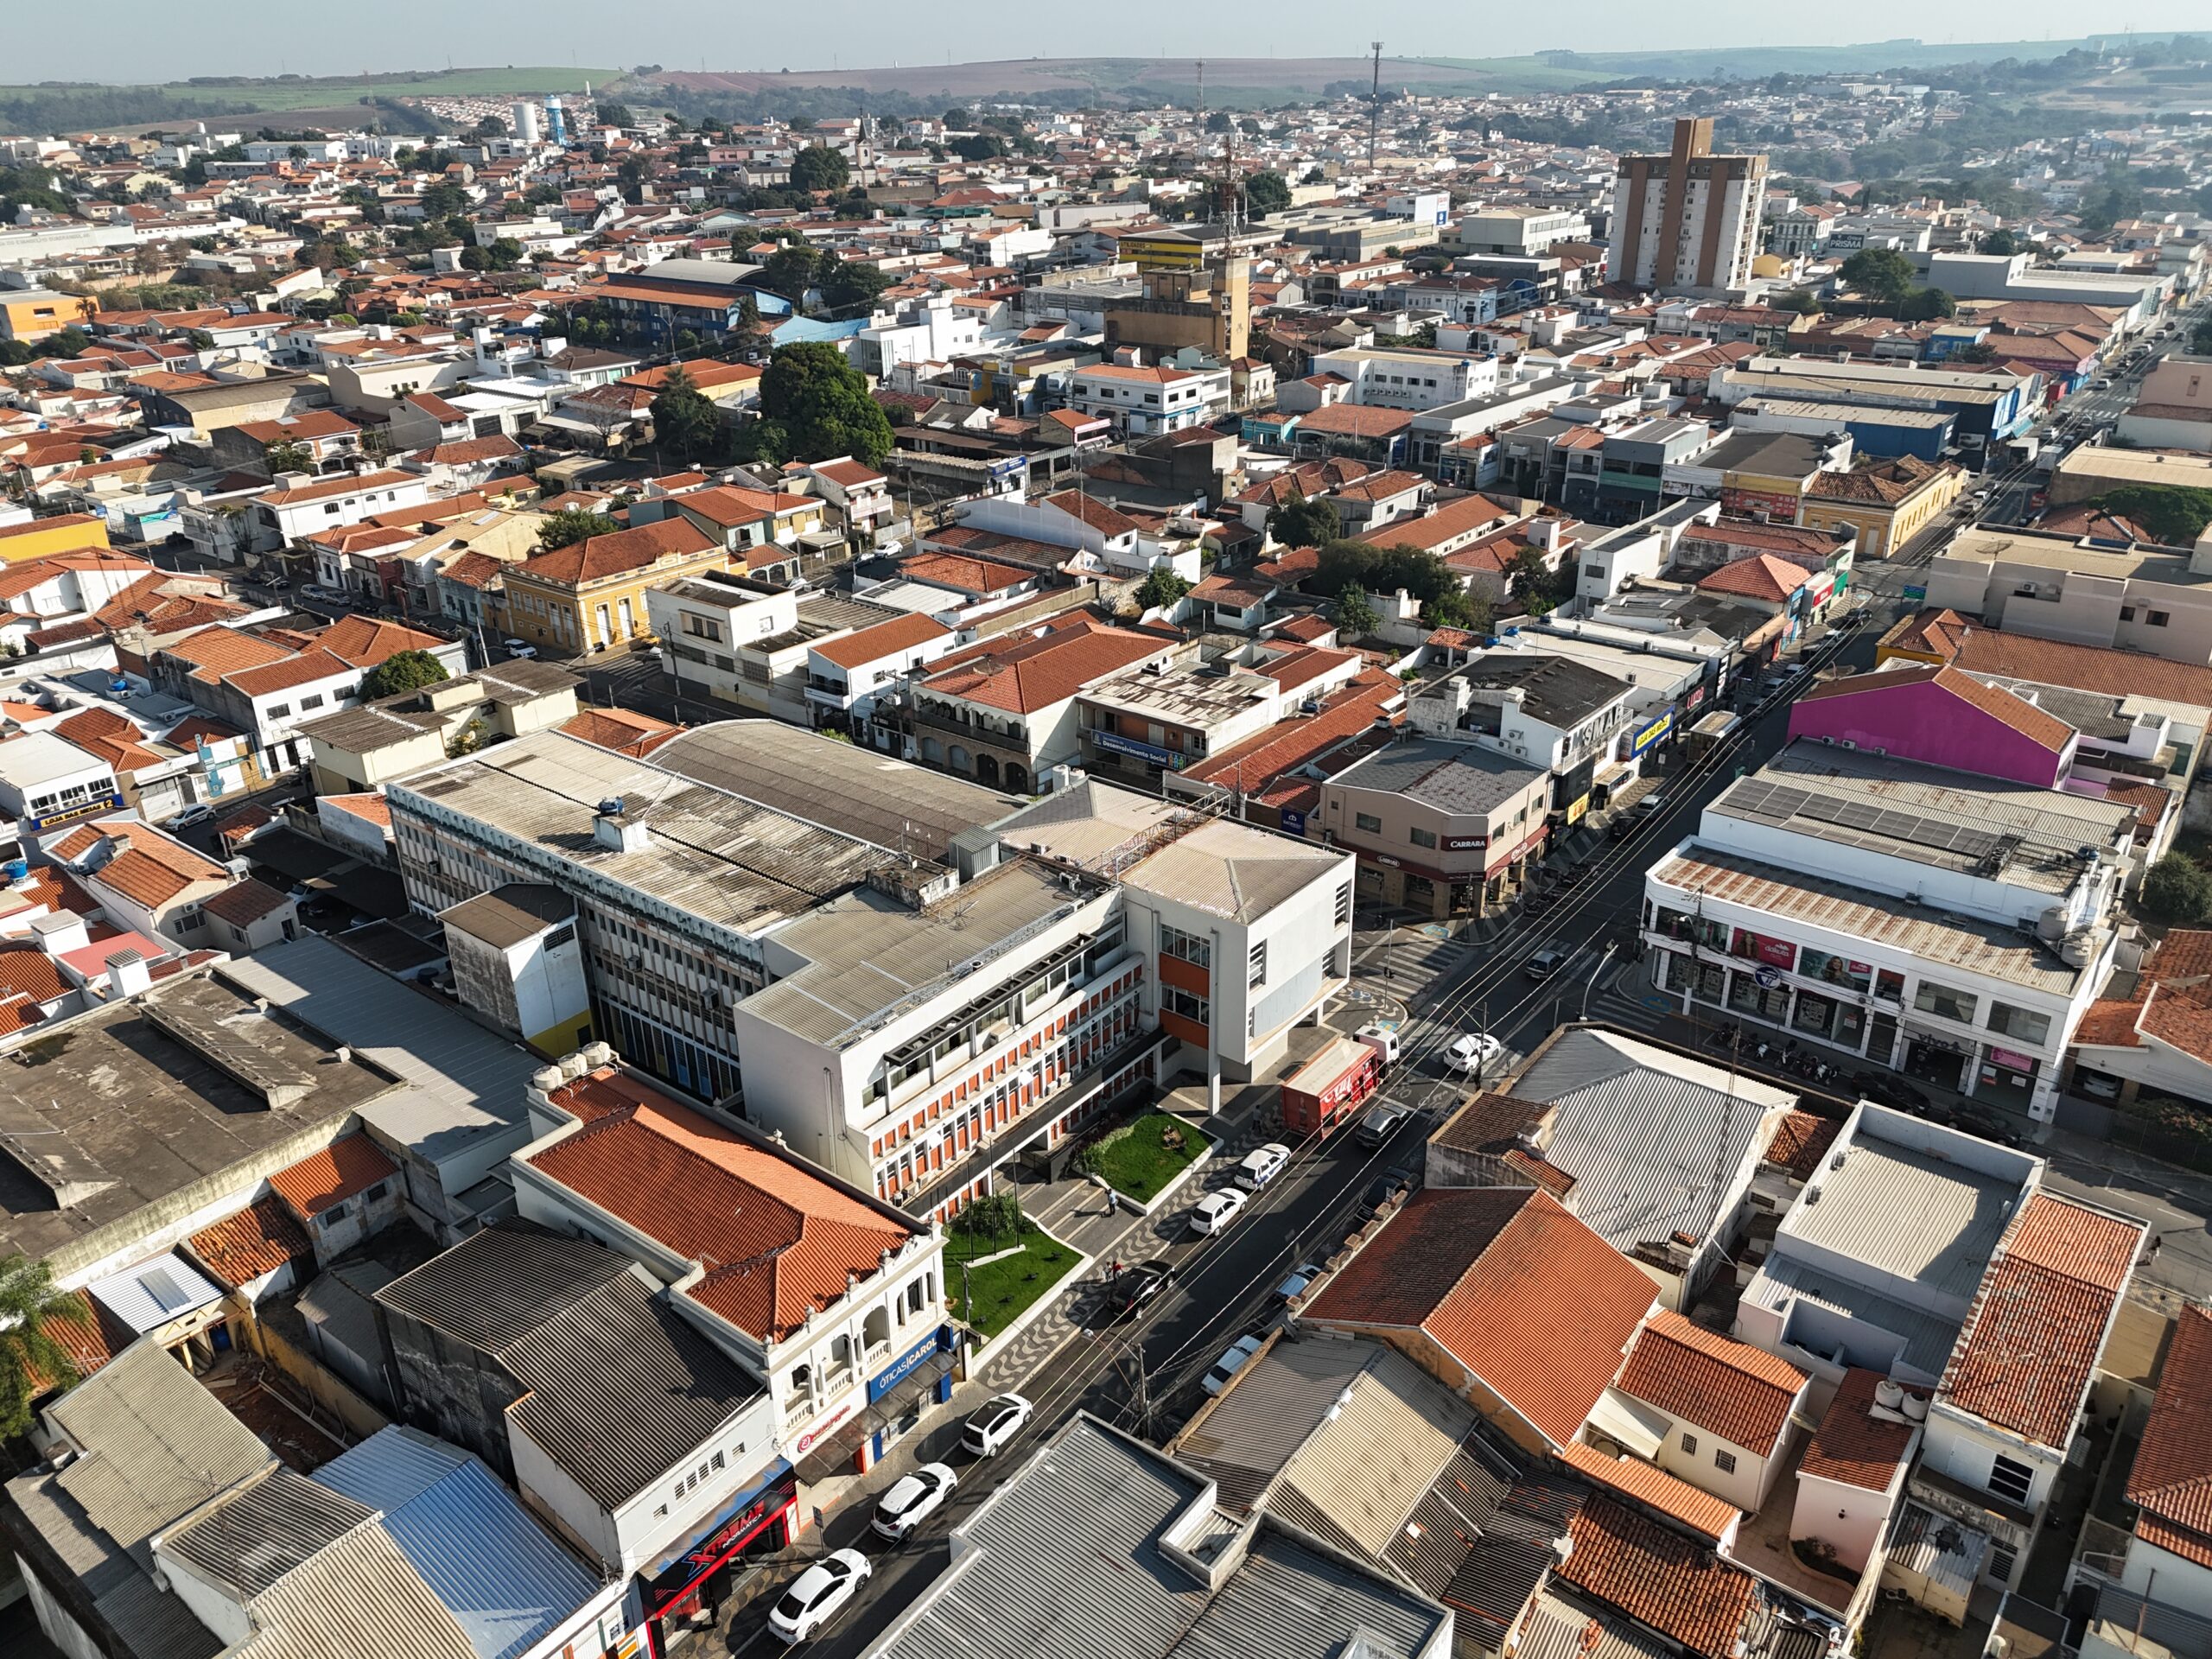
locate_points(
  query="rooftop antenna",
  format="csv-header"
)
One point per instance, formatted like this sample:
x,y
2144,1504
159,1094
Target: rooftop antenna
x,y
1374,103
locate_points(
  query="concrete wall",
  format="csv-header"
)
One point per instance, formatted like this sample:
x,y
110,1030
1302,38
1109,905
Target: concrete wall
x,y
1849,1518
448,1389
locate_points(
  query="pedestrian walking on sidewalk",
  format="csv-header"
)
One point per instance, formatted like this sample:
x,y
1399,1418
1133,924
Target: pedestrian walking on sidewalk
x,y
1113,1201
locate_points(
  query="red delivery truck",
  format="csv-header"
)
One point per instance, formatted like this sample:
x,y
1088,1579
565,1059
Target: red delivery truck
x,y
1331,1087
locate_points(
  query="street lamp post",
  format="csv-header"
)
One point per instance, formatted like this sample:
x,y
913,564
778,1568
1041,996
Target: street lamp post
x,y
1596,975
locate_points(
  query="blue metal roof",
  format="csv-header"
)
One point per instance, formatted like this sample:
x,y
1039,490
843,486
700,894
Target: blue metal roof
x,y
503,1578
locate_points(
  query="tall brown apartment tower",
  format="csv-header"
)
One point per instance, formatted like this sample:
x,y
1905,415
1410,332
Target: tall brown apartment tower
x,y
1687,221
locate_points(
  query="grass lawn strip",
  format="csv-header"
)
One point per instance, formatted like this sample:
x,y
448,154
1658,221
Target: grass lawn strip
x,y
1136,1164
1002,1289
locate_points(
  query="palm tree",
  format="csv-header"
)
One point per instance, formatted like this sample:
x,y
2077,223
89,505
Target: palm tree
x,y
31,1361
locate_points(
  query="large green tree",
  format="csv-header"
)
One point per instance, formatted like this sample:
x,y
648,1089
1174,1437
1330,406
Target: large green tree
x,y
821,403
820,168
1304,521
1878,273
1926,305
571,524
2178,890
403,670
852,282
31,1361
686,417
791,272
1354,612
1265,192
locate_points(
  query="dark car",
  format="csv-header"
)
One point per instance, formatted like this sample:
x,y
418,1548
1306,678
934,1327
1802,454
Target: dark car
x,y
1129,1295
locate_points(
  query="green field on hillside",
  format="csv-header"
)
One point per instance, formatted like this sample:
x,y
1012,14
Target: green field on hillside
x,y
57,106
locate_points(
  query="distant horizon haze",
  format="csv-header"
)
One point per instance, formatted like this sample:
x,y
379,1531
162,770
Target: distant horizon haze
x,y
139,40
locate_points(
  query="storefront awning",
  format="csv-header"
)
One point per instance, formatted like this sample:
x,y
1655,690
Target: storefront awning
x,y
921,1380
833,1454
676,1574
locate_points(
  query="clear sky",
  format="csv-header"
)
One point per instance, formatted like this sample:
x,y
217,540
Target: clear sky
x,y
156,39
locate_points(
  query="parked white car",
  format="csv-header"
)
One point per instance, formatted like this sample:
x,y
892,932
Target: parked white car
x,y
912,1500
1213,1213
994,1423
1262,1165
521,649
1225,1369
817,1595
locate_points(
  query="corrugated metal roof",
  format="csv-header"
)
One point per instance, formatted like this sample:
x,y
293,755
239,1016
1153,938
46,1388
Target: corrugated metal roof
x,y
147,1297
156,1444
1246,1437
360,1596
465,1534
256,1533
1557,1630
1377,1457
1939,940
1654,1141
620,1388
1066,1557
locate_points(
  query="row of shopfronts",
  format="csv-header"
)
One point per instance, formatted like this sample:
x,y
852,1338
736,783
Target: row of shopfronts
x,y
686,1590
1857,1009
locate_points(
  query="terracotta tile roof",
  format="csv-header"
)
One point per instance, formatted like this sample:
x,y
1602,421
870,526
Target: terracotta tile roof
x,y
1451,521
1728,1387
1355,421
777,1241
2171,1482
618,553
27,971
1979,650
366,641
303,669
259,1239
1107,521
2031,1341
1260,759
153,870
1519,1291
215,651
1657,1577
1763,576
368,804
1309,629
970,576
1801,1141
244,903
87,1339
103,733
352,1164
1037,673
882,639
1653,1488
729,505
623,730
1852,1446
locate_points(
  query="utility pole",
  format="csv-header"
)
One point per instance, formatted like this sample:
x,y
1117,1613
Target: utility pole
x,y
1374,103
